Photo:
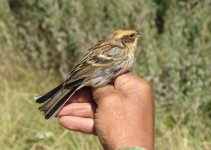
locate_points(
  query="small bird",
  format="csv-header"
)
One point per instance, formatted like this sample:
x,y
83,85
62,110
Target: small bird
x,y
109,58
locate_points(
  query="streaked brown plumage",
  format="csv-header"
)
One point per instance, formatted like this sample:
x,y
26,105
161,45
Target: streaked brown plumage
x,y
105,61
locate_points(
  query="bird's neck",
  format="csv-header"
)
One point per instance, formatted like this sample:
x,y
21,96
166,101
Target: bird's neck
x,y
132,46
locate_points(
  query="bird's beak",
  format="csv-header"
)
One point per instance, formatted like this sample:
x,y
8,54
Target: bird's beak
x,y
139,34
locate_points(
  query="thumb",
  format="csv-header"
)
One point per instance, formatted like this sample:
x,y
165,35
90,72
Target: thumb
x,y
126,81
133,86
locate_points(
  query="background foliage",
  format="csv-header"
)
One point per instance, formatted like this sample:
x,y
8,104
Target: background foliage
x,y
41,40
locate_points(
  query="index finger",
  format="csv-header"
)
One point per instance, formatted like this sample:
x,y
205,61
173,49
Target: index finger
x,y
81,96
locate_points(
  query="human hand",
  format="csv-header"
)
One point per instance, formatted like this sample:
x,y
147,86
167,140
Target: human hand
x,y
123,116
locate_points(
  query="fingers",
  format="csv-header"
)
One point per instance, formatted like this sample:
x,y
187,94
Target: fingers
x,y
85,125
81,96
78,117
85,110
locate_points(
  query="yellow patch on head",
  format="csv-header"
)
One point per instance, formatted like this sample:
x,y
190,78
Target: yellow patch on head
x,y
123,32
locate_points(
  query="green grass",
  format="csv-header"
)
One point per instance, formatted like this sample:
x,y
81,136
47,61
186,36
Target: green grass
x,y
22,126
39,41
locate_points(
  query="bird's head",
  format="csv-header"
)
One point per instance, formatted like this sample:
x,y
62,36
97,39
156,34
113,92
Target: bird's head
x,y
128,37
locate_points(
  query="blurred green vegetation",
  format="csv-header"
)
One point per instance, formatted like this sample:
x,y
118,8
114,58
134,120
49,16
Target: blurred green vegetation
x,y
40,40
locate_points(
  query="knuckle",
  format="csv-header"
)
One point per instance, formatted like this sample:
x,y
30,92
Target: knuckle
x,y
112,96
72,108
144,84
96,93
112,99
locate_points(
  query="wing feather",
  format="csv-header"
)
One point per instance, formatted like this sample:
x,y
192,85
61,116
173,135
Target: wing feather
x,y
98,56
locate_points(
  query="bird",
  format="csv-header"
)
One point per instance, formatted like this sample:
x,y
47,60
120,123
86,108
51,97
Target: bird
x,y
109,58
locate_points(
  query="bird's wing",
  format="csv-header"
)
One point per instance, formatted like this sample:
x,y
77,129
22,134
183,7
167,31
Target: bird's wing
x,y
104,55
98,56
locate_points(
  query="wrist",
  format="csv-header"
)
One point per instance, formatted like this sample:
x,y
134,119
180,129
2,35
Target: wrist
x,y
130,134
124,144
132,148
127,139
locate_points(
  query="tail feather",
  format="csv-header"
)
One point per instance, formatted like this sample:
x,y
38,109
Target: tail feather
x,y
55,105
51,101
55,99
43,98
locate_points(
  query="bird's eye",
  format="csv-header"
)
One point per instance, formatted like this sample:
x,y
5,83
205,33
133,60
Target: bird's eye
x,y
132,35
